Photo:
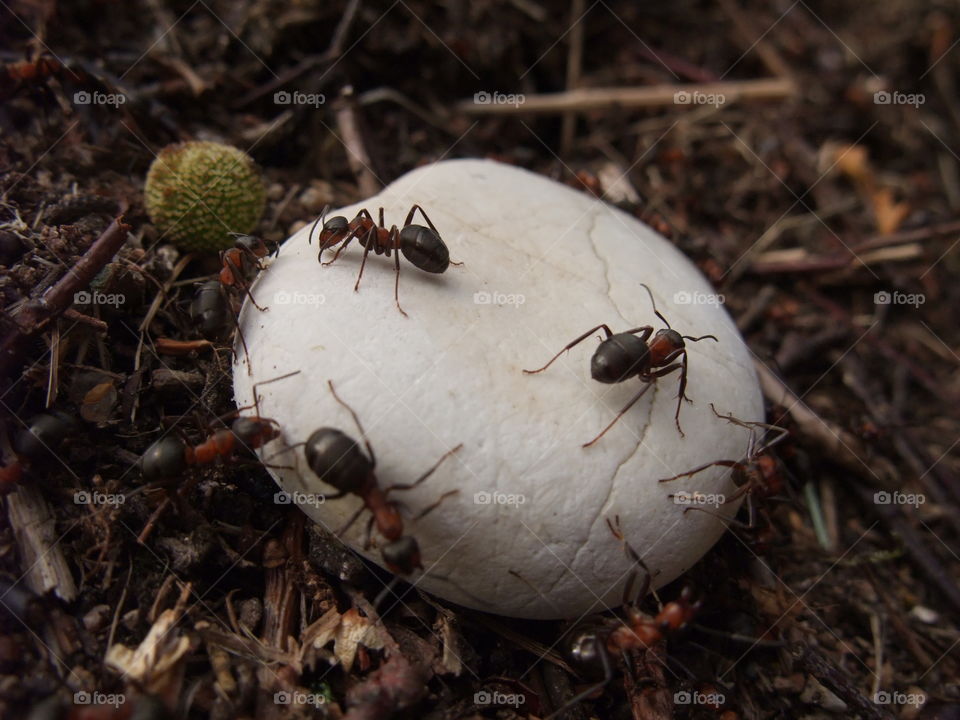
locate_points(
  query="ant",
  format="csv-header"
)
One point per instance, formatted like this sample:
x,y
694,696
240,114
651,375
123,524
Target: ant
x,y
167,458
44,434
337,460
757,474
240,261
592,648
627,354
420,245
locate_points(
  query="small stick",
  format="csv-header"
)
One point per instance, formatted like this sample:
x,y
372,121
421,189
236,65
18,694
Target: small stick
x,y
357,155
588,99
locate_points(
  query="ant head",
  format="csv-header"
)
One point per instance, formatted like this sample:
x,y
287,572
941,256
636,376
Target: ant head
x,y
249,242
402,556
255,431
671,337
423,247
337,459
584,648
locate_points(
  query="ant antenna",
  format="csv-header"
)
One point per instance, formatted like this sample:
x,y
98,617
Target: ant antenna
x,y
256,399
316,222
654,305
698,339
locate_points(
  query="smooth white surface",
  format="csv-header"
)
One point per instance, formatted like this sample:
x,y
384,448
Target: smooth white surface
x,y
451,373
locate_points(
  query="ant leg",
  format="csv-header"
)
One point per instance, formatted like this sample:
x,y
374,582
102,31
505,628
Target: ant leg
x,y
240,282
370,240
256,403
569,345
607,677
644,331
428,473
433,506
690,473
729,521
780,432
351,521
343,246
422,212
620,414
246,352
356,420
635,559
395,238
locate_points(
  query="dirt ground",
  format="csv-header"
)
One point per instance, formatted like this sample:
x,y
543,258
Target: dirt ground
x,y
818,187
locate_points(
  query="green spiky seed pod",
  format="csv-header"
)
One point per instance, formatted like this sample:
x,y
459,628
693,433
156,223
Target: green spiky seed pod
x,y
199,192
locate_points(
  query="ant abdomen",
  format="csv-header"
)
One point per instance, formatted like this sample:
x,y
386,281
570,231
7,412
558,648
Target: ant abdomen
x,y
424,248
618,358
337,459
165,459
45,432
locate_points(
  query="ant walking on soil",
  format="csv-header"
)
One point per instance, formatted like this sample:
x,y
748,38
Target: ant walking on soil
x,y
420,245
757,474
593,648
43,435
628,354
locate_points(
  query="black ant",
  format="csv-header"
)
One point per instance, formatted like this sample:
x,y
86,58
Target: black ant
x,y
757,475
592,648
420,245
45,433
337,460
628,354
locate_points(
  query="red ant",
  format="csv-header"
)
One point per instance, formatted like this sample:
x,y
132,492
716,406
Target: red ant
x,y
337,460
757,474
240,261
167,458
627,354
420,245
592,648
43,435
